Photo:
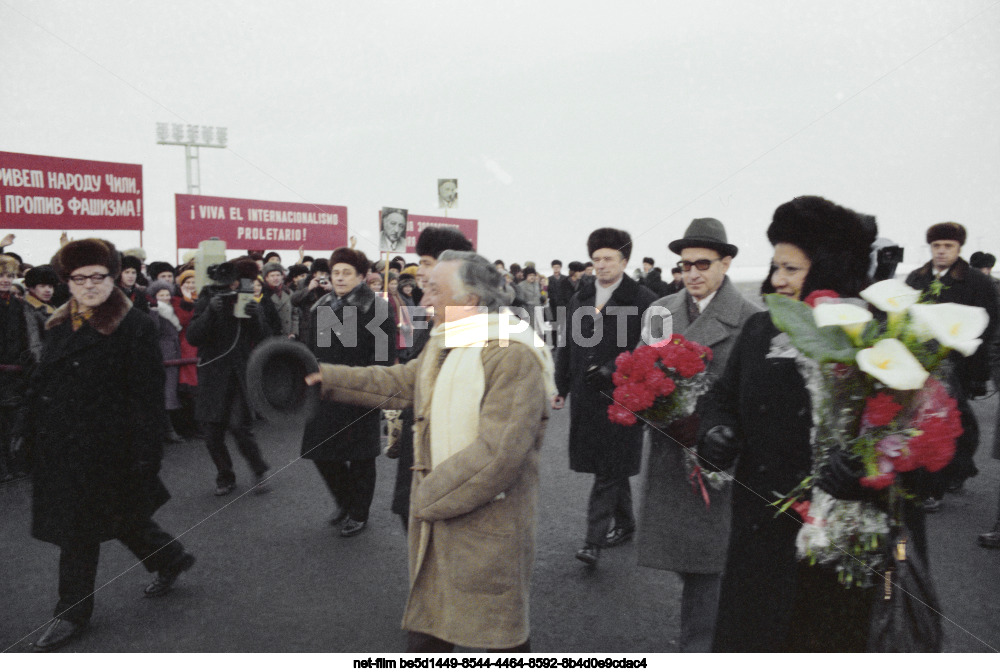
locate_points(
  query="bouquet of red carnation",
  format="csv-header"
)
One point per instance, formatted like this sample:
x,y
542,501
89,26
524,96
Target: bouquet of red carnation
x,y
660,383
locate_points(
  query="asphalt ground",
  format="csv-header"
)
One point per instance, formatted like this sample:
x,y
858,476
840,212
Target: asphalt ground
x,y
273,576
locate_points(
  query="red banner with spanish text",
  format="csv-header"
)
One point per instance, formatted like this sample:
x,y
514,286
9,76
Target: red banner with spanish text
x,y
246,224
417,223
50,192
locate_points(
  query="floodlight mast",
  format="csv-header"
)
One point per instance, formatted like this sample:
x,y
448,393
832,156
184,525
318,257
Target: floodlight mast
x,y
192,136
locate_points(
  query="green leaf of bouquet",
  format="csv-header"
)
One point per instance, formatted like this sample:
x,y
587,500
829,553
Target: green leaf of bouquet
x,y
829,344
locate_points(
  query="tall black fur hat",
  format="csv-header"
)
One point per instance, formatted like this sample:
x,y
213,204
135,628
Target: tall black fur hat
x,y
321,266
615,239
41,275
129,261
346,255
246,268
436,239
946,231
87,252
977,260
837,241
157,267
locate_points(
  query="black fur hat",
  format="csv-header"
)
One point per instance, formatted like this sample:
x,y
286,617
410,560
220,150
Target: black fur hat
x,y
321,266
946,231
246,268
614,239
836,239
977,260
134,263
41,275
436,239
154,269
87,252
346,255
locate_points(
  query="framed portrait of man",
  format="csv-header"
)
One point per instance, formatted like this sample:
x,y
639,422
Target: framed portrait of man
x,y
392,236
448,193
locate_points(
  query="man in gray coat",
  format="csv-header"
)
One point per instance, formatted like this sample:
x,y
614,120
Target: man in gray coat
x,y
677,531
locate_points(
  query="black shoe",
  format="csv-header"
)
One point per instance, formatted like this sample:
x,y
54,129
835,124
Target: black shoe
x,y
990,540
223,490
618,536
338,516
352,527
165,578
589,554
59,633
932,505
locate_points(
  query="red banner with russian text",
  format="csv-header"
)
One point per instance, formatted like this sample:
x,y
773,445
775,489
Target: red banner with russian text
x,y
417,223
252,225
50,192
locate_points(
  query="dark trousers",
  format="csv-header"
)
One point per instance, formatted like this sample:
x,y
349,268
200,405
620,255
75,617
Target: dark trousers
x,y
352,484
157,549
699,608
419,642
610,498
10,464
215,441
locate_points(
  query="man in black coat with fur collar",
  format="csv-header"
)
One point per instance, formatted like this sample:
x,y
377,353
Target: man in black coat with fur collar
x,y
603,320
959,284
97,453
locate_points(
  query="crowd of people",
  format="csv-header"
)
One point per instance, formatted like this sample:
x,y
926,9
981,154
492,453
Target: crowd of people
x,y
105,357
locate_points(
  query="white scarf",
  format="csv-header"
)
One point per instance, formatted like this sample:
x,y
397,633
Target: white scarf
x,y
461,382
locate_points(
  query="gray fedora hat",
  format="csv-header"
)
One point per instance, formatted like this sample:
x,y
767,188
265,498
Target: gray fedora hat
x,y
276,386
705,232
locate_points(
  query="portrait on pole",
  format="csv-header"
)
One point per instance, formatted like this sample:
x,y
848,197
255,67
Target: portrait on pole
x,y
448,194
393,230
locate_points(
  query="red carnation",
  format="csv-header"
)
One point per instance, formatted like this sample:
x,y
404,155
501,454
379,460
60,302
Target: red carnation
x,y
879,482
660,383
620,416
801,507
880,410
822,296
634,396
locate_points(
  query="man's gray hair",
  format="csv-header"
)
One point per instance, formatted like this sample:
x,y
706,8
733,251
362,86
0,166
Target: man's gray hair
x,y
478,276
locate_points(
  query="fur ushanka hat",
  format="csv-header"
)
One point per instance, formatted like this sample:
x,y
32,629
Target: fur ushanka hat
x,y
157,267
87,252
356,258
128,261
41,275
836,240
9,264
946,231
614,239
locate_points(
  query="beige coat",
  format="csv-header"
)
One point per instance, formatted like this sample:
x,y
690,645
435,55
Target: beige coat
x,y
472,519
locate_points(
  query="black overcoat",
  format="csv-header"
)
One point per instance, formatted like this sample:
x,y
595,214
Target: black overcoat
x,y
341,432
93,414
596,446
224,344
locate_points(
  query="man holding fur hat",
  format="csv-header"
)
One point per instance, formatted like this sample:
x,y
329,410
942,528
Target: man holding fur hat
x,y
96,461
224,342
958,283
605,320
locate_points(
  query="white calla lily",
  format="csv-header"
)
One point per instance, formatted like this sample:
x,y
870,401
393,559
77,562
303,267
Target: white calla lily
x,y
891,296
953,325
890,363
852,319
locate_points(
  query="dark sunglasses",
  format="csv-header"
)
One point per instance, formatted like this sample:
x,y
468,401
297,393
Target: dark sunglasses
x,y
701,264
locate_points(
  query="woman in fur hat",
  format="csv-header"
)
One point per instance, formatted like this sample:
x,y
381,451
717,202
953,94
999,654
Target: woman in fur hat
x,y
760,412
169,327
97,456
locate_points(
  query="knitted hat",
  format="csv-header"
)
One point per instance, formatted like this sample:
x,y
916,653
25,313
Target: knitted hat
x,y
436,239
87,252
705,232
946,231
9,264
41,275
157,267
272,266
134,263
356,258
836,240
184,276
614,239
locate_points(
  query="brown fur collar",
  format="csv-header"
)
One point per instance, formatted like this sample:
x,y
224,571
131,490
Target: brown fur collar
x,y
106,317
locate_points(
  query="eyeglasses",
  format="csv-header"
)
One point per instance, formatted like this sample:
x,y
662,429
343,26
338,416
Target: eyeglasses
x,y
700,264
96,278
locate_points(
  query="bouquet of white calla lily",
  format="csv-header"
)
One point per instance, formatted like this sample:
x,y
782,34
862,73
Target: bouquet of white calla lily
x,y
893,365
891,296
852,319
953,325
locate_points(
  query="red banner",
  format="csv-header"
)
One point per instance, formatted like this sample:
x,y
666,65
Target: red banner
x,y
253,225
49,192
417,223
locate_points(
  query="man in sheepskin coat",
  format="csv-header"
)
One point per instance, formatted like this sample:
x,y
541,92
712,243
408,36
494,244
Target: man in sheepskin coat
x,y
480,391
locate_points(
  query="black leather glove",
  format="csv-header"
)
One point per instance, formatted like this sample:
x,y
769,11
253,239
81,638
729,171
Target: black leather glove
x,y
718,448
598,377
977,388
216,304
841,476
252,308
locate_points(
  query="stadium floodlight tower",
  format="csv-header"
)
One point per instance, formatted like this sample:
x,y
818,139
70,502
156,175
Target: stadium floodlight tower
x,y
191,136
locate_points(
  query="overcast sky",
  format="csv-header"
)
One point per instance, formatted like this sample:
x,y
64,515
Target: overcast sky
x,y
557,117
